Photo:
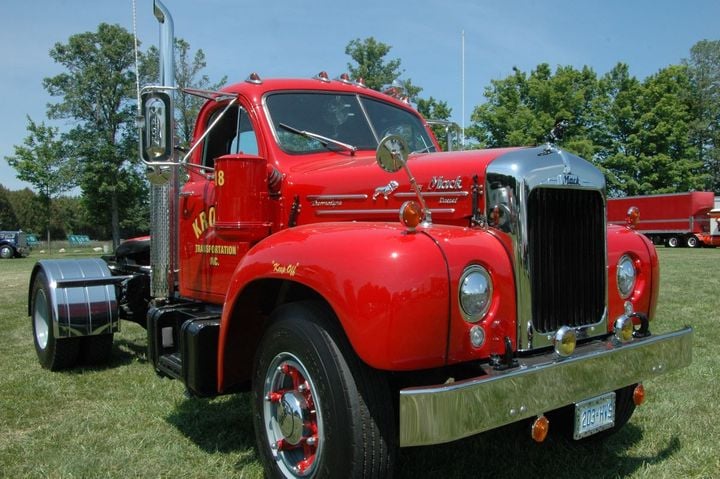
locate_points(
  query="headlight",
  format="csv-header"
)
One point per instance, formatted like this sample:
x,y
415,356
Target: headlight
x,y
626,275
475,293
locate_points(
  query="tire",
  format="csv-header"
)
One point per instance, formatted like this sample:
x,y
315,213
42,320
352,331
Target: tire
x,y
673,242
54,354
6,252
96,350
692,242
318,410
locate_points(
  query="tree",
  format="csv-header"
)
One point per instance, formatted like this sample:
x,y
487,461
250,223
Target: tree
x,y
616,109
663,157
704,73
43,161
374,70
188,74
522,109
433,109
369,55
96,92
29,210
8,219
639,134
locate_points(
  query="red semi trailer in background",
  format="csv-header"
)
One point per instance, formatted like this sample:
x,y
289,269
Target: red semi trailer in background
x,y
677,219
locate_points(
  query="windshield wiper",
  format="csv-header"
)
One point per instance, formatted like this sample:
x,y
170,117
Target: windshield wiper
x,y
324,141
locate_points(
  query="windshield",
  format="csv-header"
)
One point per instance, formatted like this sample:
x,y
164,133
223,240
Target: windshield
x,y
350,119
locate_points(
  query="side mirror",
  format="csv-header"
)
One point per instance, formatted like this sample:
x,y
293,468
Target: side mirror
x,y
156,127
392,153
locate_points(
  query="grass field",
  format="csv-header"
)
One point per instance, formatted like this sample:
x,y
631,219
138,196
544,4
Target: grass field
x,y
124,421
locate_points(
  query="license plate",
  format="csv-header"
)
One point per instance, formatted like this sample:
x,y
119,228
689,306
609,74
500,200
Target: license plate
x,y
594,415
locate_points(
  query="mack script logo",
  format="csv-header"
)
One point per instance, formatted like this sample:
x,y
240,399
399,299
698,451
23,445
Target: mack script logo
x,y
439,183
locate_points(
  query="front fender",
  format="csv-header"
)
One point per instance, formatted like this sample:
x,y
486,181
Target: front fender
x,y
624,241
388,288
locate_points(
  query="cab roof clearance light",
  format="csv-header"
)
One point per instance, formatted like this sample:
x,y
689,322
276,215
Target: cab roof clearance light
x,y
323,77
254,78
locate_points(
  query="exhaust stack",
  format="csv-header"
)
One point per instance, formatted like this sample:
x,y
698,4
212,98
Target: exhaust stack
x,y
163,198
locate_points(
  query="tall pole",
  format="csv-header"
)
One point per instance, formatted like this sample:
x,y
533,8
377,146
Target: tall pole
x,y
462,138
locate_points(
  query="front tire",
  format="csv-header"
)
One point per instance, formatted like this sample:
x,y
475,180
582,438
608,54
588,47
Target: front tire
x,y
6,252
54,354
319,411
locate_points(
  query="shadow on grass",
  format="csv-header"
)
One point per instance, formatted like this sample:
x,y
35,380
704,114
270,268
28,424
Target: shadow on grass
x,y
509,452
218,425
125,352
225,425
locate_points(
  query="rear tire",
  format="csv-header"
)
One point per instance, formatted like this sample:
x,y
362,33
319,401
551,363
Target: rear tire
x,y
53,353
692,242
319,411
673,242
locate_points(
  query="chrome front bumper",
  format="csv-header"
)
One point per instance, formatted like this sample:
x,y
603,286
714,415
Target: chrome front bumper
x,y
446,412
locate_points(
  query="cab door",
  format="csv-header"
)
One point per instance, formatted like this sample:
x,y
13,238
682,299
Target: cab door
x,y
208,259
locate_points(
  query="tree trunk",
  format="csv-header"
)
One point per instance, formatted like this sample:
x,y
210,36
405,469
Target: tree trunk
x,y
115,219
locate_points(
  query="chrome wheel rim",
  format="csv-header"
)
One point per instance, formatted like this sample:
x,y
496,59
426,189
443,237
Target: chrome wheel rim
x,y
41,319
292,417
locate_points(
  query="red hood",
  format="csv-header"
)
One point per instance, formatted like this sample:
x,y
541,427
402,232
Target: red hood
x,y
333,188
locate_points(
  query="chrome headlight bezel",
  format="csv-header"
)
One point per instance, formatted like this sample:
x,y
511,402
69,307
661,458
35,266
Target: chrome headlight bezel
x,y
626,276
475,291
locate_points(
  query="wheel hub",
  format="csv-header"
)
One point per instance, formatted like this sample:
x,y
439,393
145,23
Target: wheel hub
x,y
41,318
293,424
292,415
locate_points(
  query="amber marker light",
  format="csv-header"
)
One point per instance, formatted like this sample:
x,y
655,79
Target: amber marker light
x,y
632,217
639,395
411,215
540,429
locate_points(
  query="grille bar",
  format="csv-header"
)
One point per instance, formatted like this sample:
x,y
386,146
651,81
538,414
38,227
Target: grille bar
x,y
566,233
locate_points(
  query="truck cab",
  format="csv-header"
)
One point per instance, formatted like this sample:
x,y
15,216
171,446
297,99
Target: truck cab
x,y
13,244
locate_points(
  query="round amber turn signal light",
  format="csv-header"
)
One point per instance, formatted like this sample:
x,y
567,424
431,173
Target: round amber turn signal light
x,y
411,214
540,429
639,394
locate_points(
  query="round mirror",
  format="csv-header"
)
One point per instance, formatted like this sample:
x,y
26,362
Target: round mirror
x,y
392,153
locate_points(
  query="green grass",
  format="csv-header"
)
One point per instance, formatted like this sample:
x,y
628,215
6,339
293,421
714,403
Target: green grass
x,y
124,421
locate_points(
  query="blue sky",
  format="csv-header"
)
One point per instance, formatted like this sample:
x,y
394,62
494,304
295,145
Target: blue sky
x,y
283,38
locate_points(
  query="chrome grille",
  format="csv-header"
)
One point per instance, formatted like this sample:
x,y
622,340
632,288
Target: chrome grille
x,y
566,234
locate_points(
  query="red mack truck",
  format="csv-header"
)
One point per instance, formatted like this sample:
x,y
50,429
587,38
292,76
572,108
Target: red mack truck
x,y
368,290
676,219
